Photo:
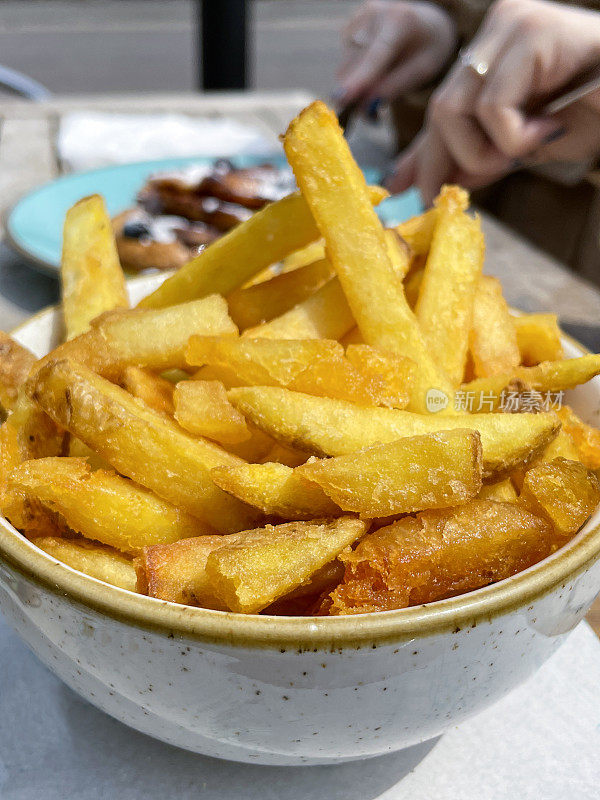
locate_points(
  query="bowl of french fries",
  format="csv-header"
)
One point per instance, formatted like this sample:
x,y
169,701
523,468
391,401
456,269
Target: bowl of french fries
x,y
314,497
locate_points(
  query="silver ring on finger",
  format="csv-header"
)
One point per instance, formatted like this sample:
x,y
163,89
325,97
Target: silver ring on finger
x,y
471,61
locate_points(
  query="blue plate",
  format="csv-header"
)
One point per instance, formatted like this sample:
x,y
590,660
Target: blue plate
x,y
34,226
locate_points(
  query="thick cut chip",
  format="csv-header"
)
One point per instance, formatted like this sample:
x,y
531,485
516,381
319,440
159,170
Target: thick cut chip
x,y
268,563
264,301
445,305
417,231
104,506
256,447
432,471
202,408
412,286
324,315
394,376
158,338
139,442
15,363
276,489
538,337
562,446
91,275
493,338
268,236
306,255
314,366
335,191
585,437
565,492
547,377
177,572
155,391
92,559
327,427
439,553
280,454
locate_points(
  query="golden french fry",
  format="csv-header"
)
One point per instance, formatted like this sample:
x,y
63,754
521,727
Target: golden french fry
x,y
538,338
155,391
306,255
445,305
268,563
502,491
91,276
412,286
549,376
77,449
564,492
439,553
104,506
314,366
417,231
275,489
562,446
335,190
280,454
262,302
432,471
398,252
139,442
15,363
92,559
268,236
394,375
202,408
177,572
585,437
256,448
324,315
493,338
327,427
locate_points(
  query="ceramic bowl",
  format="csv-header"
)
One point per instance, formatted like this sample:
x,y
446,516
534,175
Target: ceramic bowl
x,y
273,690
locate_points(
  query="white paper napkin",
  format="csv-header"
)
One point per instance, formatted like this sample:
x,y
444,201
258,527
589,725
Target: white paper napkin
x,y
88,139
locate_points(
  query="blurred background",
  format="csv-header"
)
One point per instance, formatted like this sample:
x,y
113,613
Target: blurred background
x,y
153,44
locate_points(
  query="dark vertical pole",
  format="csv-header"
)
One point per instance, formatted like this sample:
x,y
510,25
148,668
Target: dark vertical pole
x,y
223,45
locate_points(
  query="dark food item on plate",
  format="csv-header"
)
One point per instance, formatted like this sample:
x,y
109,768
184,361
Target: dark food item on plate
x,y
179,213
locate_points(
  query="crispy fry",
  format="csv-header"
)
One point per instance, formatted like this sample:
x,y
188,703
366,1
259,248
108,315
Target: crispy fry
x,y
139,442
264,301
493,337
177,572
202,408
327,427
431,471
564,492
538,337
394,375
91,275
94,560
324,315
335,191
549,376
306,255
417,231
155,391
585,437
268,563
445,305
268,236
317,366
15,363
104,506
440,553
275,489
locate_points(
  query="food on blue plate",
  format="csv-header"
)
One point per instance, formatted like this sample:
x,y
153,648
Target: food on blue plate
x,y
313,415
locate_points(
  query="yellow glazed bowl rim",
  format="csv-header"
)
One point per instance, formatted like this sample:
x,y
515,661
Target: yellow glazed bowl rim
x,y
303,633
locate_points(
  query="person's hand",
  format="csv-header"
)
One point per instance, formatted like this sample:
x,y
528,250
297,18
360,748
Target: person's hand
x,y
478,127
391,48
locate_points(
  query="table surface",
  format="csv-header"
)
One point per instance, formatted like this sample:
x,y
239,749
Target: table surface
x,y
28,157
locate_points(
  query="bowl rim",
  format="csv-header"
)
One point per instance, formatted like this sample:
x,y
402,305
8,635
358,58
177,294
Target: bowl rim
x,y
302,633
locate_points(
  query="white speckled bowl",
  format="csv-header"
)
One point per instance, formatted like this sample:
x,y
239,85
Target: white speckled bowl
x,y
273,690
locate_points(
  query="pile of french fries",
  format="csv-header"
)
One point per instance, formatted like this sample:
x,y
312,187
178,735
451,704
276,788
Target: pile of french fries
x,y
315,415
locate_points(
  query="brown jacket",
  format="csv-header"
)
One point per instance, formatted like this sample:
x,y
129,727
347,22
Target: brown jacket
x,y
559,217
